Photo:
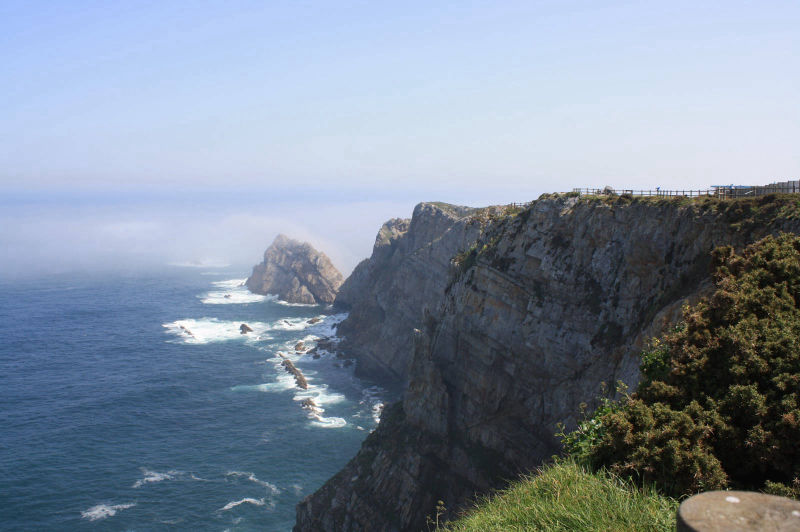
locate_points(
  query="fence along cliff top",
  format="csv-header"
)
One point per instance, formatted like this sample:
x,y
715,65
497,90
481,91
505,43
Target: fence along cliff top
x,y
719,191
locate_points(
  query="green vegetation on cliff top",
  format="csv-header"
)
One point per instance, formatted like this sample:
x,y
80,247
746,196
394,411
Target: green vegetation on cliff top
x,y
566,496
717,407
718,403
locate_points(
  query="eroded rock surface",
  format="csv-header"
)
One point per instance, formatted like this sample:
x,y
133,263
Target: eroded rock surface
x,y
389,294
555,301
296,273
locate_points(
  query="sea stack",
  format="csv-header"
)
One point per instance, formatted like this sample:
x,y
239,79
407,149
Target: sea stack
x,y
296,273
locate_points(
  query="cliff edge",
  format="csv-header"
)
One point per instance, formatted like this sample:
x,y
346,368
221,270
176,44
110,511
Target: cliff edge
x,y
296,273
548,304
389,294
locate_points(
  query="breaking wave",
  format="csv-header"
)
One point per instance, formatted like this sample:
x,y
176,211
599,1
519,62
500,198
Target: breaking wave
x,y
246,500
210,330
231,291
103,511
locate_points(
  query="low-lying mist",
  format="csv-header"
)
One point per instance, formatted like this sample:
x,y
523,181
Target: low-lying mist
x,y
45,235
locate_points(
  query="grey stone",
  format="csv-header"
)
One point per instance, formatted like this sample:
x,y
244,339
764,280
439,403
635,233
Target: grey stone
x,y
296,273
388,294
738,511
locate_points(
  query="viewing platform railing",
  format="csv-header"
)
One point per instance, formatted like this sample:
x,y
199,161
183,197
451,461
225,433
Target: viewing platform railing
x,y
631,192
717,191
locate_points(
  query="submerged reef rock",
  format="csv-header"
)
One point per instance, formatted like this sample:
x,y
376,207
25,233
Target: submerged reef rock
x,y
296,273
549,302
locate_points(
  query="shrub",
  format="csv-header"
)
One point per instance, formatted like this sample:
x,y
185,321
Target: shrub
x,y
718,402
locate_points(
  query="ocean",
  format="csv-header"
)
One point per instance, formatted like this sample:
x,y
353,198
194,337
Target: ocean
x,y
133,402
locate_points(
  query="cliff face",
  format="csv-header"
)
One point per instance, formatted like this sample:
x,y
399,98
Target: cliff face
x,y
553,302
389,294
296,273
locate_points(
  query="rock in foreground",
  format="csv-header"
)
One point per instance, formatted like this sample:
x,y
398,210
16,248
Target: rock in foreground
x,y
296,273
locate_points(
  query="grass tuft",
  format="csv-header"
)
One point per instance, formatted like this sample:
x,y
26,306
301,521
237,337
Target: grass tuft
x,y
567,496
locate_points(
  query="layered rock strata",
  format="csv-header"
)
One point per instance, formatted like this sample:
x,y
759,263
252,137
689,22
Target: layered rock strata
x,y
550,304
296,273
389,294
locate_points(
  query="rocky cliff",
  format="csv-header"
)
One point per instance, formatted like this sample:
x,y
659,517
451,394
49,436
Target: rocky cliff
x,y
550,303
389,294
296,273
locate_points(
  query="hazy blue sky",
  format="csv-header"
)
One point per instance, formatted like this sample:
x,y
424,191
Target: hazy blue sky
x,y
115,113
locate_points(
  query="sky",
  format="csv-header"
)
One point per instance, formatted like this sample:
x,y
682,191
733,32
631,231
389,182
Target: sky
x,y
142,133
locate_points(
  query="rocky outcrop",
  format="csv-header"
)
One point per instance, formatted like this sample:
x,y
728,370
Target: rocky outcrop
x,y
550,304
290,368
389,294
296,273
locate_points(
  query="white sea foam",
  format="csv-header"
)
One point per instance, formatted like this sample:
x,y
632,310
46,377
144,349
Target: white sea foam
x,y
291,324
329,422
320,395
327,327
372,397
231,291
102,511
230,284
246,500
284,382
274,299
247,475
210,330
151,477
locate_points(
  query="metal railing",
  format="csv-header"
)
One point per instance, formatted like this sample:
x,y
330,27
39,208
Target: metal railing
x,y
651,192
718,191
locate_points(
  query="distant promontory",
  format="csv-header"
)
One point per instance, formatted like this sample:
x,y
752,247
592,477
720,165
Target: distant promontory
x,y
296,273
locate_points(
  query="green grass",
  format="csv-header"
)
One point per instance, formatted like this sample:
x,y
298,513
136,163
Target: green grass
x,y
566,496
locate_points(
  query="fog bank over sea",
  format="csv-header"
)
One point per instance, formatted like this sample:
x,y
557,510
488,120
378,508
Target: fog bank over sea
x,y
45,232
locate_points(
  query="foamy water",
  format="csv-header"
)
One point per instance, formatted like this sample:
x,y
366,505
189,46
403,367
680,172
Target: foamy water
x,y
162,413
209,330
102,511
231,292
271,488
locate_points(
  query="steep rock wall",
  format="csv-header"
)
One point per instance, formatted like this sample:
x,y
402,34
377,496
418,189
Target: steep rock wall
x,y
389,294
557,301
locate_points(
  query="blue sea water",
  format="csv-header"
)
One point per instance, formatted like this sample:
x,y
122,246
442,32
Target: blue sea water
x,y
132,402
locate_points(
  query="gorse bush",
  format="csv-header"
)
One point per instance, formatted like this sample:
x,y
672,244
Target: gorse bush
x,y
718,402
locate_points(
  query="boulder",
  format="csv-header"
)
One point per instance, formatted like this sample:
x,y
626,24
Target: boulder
x,y
296,273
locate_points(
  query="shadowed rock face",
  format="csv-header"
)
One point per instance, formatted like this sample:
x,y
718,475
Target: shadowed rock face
x,y
559,300
296,273
389,294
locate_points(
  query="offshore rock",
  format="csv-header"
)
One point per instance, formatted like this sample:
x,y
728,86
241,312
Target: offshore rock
x,y
296,273
289,366
389,294
556,300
